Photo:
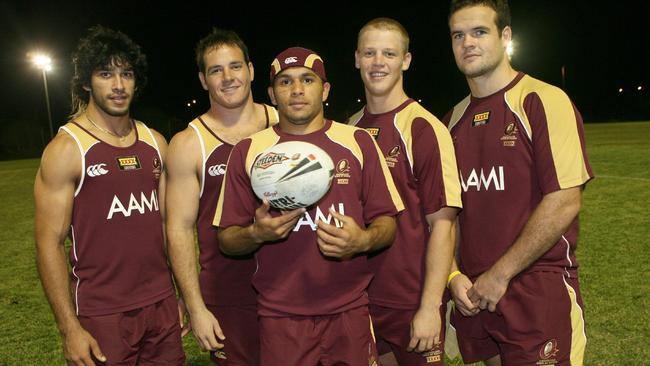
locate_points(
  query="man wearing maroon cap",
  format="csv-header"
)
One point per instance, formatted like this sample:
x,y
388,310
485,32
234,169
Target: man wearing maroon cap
x,y
311,280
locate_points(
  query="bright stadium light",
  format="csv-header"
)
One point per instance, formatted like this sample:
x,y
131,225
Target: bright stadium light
x,y
358,100
510,49
639,88
620,90
44,62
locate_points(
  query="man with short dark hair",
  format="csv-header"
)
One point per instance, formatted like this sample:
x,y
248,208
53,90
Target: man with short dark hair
x,y
221,301
522,161
312,273
101,183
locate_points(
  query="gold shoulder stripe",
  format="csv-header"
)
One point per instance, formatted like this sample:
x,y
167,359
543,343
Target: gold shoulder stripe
x,y
145,135
403,122
84,140
208,141
354,119
562,124
344,136
274,117
458,112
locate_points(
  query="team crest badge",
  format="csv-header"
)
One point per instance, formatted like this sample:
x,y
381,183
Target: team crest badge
x,y
509,137
391,157
548,353
342,174
157,167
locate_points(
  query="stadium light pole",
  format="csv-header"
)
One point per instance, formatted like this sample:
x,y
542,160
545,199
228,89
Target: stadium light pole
x,y
44,63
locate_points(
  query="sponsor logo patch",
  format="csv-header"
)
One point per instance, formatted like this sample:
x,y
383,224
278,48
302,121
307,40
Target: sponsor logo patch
x,y
128,162
96,170
481,119
290,60
217,170
270,159
435,355
373,131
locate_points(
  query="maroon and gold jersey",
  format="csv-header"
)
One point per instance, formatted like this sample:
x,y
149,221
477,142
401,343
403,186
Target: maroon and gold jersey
x,y
419,152
224,280
117,256
513,147
293,277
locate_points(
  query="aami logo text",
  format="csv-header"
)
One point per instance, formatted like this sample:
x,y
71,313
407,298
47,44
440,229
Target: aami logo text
x,y
481,181
306,219
151,204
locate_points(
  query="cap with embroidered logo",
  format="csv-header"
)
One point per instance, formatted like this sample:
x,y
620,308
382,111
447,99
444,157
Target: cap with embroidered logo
x,y
297,57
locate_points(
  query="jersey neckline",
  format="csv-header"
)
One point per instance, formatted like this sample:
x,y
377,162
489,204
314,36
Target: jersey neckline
x,y
133,126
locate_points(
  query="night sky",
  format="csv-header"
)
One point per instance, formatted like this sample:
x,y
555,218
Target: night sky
x,y
603,48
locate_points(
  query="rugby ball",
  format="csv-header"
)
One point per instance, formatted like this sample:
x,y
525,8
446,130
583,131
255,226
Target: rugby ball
x,y
292,174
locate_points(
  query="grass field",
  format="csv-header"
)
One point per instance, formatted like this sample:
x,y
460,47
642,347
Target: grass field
x,y
613,253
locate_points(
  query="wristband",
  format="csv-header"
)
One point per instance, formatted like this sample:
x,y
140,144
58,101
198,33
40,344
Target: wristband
x,y
452,275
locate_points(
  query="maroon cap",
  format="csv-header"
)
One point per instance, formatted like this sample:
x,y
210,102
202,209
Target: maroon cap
x,y
296,57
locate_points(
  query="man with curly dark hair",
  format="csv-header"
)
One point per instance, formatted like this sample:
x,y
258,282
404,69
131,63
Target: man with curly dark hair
x,y
101,184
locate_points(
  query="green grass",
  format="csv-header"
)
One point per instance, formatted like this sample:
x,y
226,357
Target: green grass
x,y
613,254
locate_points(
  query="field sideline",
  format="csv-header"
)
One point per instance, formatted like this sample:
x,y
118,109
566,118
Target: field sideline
x,y
613,255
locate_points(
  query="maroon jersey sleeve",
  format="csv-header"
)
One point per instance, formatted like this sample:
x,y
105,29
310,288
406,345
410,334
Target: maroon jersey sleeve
x,y
379,195
558,141
434,167
237,202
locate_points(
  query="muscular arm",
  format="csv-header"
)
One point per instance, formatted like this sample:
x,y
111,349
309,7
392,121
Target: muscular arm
x,y
53,196
182,198
426,324
549,221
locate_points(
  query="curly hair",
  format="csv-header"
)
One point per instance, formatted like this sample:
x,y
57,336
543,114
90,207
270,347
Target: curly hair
x,y
215,39
100,49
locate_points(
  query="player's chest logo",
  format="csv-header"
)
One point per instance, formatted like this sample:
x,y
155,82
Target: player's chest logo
x,y
157,167
481,119
373,131
342,174
509,138
216,170
96,170
392,157
130,162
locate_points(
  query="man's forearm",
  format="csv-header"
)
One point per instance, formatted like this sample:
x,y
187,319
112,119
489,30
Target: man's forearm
x,y
53,271
237,240
549,221
381,232
439,256
182,255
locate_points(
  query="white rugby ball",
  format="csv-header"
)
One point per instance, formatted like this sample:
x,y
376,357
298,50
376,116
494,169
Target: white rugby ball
x,y
292,174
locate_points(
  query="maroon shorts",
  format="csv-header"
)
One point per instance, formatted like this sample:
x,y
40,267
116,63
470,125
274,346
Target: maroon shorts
x,y
242,343
539,321
150,335
393,332
339,339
